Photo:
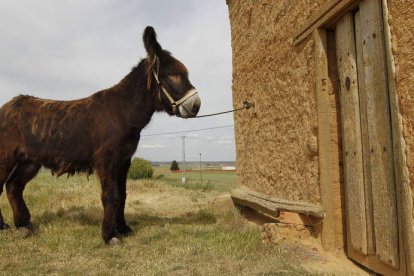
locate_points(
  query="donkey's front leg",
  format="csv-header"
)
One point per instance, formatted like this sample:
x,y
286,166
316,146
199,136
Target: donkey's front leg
x,y
110,200
122,227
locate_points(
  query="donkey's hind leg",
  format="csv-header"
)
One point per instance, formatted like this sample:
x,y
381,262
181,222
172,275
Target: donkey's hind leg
x,y
3,225
4,175
15,186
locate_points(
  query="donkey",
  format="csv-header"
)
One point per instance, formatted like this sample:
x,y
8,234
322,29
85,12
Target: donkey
x,y
98,133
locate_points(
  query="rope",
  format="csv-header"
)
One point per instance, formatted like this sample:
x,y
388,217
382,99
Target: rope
x,y
246,105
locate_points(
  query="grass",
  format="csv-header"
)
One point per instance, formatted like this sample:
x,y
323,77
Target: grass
x,y
174,233
211,179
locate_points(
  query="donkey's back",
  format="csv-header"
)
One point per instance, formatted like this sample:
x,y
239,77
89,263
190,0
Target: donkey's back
x,y
55,134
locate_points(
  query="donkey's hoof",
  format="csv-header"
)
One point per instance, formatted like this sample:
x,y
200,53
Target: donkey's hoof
x,y
4,226
115,242
24,232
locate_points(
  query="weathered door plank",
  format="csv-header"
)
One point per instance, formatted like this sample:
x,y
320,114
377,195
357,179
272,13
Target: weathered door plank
x,y
365,136
352,140
385,217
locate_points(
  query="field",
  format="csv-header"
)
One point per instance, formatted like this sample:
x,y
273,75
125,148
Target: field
x,y
176,231
212,178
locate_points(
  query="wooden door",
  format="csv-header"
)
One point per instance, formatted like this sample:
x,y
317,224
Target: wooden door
x,y
370,193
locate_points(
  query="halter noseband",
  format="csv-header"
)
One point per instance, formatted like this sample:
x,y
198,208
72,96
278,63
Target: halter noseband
x,y
174,104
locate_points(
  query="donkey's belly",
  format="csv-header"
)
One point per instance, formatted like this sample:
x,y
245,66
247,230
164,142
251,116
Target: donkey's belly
x,y
60,158
70,167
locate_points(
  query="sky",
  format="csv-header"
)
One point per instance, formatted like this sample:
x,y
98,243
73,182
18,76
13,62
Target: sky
x,y
66,50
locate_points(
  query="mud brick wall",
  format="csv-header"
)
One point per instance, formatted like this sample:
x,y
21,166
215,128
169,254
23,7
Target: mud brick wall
x,y
276,142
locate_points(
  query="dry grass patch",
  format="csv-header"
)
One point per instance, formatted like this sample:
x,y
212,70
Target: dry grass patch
x,y
175,233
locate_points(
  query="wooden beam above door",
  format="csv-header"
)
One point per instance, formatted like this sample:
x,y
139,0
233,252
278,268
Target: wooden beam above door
x,y
325,16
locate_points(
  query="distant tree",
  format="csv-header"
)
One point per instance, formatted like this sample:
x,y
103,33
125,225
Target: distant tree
x,y
174,166
140,169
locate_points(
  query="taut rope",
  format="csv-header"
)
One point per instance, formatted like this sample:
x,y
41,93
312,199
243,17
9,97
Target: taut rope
x,y
246,105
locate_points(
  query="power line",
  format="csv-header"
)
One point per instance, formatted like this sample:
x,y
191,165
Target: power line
x,y
185,131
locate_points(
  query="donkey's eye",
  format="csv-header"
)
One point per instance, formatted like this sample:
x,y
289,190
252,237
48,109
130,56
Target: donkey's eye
x,y
176,79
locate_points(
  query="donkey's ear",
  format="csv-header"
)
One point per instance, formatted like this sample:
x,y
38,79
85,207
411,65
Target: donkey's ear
x,y
150,42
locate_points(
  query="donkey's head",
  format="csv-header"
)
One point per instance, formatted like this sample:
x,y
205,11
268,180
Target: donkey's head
x,y
168,78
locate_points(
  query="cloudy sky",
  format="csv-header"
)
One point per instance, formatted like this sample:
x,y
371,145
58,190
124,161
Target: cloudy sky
x,y
70,49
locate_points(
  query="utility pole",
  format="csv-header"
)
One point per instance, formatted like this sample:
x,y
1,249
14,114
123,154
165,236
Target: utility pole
x,y
183,179
201,172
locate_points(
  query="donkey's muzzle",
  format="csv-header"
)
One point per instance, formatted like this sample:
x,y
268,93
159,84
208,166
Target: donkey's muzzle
x,y
190,107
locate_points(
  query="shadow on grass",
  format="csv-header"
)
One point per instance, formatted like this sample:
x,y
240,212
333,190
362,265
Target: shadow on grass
x,y
76,214
200,217
94,215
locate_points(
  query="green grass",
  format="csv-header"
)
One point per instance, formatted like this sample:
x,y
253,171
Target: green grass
x,y
67,217
211,179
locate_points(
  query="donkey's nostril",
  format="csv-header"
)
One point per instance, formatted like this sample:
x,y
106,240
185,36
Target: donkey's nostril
x,y
196,108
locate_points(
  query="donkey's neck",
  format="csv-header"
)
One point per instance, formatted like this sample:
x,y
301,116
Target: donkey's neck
x,y
136,104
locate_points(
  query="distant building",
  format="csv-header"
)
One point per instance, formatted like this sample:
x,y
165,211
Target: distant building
x,y
228,168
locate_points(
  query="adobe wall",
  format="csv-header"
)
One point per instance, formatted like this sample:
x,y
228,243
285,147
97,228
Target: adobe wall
x,y
276,142
401,21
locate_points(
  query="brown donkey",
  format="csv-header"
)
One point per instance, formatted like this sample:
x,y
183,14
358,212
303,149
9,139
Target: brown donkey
x,y
98,133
